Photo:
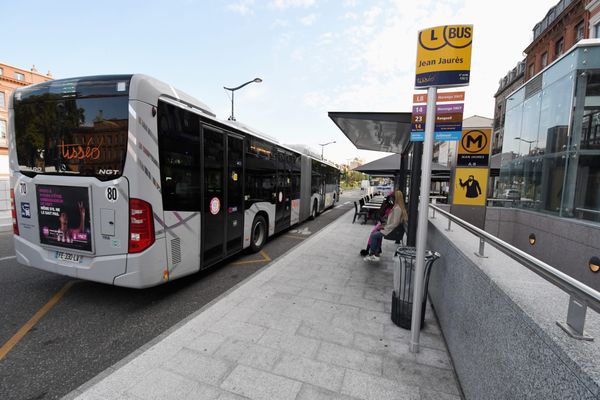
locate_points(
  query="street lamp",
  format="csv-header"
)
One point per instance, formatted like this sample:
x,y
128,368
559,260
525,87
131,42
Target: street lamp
x,y
323,145
255,80
526,141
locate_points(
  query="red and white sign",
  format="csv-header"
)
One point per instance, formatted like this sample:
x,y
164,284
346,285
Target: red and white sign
x,y
215,205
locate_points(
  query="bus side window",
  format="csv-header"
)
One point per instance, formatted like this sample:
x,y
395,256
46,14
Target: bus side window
x,y
179,157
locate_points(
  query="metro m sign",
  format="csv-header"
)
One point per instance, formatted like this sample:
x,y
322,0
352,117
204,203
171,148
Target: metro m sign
x,y
474,148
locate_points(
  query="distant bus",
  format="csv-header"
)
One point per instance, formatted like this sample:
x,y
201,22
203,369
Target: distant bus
x,y
125,180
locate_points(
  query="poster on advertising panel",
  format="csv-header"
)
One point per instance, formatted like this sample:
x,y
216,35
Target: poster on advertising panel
x,y
64,216
444,56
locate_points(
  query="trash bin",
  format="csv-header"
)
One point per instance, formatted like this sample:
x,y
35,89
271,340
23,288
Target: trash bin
x,y
402,295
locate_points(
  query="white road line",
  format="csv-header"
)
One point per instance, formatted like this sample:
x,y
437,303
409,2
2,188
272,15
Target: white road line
x,y
7,258
347,203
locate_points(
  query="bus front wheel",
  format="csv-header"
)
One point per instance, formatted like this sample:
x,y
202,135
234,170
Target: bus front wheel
x,y
259,233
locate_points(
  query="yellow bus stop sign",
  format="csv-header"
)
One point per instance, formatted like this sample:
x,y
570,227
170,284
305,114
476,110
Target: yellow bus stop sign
x,y
444,56
470,185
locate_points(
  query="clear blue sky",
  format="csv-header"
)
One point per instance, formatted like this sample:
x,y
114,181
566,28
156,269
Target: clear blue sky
x,y
314,56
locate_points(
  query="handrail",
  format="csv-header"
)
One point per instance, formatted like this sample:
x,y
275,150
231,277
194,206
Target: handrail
x,y
573,287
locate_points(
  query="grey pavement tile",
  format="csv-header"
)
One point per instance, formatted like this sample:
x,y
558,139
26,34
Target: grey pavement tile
x,y
246,353
310,392
310,371
411,373
433,358
199,367
295,344
368,387
241,330
162,384
325,332
358,325
428,394
319,295
336,309
207,342
239,313
281,288
362,303
381,345
282,322
350,358
394,332
260,385
377,294
375,316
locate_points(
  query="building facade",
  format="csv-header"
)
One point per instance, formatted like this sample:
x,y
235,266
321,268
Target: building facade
x,y
11,78
564,25
552,135
508,84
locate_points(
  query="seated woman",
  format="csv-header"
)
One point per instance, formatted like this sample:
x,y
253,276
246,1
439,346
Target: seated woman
x,y
398,216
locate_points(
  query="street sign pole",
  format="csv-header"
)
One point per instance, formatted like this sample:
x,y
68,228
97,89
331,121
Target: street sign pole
x,y
419,274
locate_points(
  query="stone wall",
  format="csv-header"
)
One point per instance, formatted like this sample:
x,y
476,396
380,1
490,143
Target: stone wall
x,y
499,321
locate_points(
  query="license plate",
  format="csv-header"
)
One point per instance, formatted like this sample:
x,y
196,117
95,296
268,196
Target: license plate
x,y
69,257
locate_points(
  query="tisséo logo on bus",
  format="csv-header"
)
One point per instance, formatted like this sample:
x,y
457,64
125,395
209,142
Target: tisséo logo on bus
x,y
215,205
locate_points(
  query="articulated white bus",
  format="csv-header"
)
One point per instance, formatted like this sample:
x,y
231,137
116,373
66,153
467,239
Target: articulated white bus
x,y
125,180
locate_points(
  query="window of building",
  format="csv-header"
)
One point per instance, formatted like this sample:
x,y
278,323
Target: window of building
x,y
597,30
1,72
531,70
579,32
2,129
19,76
559,48
544,60
2,100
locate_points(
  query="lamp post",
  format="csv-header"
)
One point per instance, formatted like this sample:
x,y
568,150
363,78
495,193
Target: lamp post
x,y
255,80
323,145
526,141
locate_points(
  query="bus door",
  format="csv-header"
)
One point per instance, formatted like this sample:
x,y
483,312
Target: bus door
x,y
235,193
213,201
283,208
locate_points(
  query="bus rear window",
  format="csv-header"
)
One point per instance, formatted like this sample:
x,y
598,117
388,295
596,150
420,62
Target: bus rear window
x,y
71,136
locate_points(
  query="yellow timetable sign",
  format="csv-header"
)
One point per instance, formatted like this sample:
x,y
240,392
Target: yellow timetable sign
x,y
470,185
444,56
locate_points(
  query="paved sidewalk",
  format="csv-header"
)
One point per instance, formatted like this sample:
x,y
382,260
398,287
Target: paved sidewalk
x,y
313,325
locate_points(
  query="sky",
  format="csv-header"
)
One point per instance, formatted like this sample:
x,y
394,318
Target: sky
x,y
314,56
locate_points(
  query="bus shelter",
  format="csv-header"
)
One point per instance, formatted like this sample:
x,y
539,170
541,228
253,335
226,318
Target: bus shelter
x,y
388,132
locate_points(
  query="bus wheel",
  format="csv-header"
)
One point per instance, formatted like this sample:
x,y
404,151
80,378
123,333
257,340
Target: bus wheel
x,y
259,233
313,212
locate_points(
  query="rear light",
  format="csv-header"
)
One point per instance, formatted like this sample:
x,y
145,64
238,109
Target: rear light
x,y
14,212
141,225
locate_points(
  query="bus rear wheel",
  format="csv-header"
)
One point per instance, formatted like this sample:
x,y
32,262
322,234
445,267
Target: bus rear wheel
x,y
259,233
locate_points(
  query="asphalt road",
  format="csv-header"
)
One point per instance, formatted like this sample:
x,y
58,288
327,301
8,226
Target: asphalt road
x,y
94,325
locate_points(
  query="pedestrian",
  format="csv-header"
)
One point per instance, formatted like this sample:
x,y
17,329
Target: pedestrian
x,y
396,220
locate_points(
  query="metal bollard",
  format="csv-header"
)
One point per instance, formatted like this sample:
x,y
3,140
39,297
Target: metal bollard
x,y
480,254
449,225
575,320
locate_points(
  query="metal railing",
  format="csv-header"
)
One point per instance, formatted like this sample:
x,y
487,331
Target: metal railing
x,y
581,295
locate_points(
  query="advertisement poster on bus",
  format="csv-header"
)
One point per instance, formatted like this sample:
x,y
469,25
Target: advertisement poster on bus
x,y
64,216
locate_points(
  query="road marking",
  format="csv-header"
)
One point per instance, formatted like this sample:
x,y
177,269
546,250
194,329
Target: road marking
x,y
295,237
325,212
265,258
347,203
7,258
12,342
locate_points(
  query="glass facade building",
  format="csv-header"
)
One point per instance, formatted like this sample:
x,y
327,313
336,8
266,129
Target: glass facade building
x,y
551,149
